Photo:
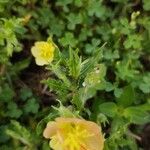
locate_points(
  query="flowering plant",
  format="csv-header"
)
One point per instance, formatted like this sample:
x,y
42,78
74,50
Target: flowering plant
x,y
98,71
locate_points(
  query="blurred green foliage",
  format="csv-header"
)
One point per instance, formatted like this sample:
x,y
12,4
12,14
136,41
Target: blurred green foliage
x,y
102,68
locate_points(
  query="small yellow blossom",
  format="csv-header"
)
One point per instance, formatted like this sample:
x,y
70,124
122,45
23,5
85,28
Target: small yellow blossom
x,y
43,52
74,134
26,19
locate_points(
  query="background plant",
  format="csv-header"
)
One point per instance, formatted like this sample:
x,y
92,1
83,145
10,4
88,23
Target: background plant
x,y
102,69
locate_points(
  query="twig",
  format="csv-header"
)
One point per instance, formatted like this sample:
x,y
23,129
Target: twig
x,y
134,136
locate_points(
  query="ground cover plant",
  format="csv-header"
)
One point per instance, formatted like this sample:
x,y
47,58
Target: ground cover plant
x,y
74,74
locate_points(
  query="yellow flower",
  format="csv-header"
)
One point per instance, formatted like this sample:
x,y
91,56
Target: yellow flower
x,y
43,52
26,19
74,134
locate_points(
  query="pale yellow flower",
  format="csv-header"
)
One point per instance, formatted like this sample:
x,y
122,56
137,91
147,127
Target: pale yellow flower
x,y
74,134
43,52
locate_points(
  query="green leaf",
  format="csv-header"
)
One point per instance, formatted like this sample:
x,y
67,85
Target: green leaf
x,y
66,111
6,93
124,71
31,106
93,81
117,92
21,65
3,137
84,34
110,54
90,63
58,87
127,97
60,74
45,146
144,85
74,63
96,76
102,119
3,4
20,133
136,115
25,93
78,99
144,107
78,3
133,41
110,109
146,5
55,85
64,2
68,40
96,8
9,31
41,125
74,19
13,110
89,48
118,124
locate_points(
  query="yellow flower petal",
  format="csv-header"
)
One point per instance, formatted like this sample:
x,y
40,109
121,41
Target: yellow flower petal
x,y
74,134
41,61
55,143
50,130
45,45
35,51
97,141
43,52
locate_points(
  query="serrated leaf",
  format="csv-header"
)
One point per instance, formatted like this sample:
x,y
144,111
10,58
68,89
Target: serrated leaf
x,y
20,133
58,87
55,85
66,111
60,74
78,99
74,63
89,64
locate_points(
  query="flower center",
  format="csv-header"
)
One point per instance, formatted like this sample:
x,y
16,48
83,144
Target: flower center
x,y
46,51
45,54
75,137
